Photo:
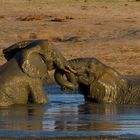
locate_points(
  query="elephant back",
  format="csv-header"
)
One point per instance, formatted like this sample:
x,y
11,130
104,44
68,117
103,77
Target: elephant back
x,y
11,51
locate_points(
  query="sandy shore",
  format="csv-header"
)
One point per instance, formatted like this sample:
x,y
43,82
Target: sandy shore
x,y
108,30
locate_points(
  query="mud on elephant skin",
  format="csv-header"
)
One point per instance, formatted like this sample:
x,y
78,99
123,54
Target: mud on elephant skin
x,y
28,63
100,83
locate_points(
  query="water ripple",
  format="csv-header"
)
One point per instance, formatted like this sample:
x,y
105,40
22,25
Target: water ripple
x,y
70,115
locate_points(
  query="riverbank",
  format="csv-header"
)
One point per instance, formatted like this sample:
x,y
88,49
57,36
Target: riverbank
x,y
68,138
108,30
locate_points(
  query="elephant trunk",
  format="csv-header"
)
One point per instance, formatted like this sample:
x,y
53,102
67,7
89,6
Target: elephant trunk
x,y
70,83
68,79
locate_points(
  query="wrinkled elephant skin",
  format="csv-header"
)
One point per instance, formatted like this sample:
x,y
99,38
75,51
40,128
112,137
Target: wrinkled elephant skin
x,y
28,63
100,83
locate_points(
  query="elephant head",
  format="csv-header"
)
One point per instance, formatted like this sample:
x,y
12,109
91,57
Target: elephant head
x,y
98,82
86,70
36,57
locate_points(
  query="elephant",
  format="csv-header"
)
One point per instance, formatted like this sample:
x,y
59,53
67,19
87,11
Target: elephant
x,y
28,63
99,83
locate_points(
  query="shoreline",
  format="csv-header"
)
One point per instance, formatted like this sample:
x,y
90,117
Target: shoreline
x,y
107,30
67,138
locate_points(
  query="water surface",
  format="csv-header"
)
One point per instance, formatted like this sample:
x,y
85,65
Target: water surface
x,y
69,115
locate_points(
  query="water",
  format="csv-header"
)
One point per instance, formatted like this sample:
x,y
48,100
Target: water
x,y
69,115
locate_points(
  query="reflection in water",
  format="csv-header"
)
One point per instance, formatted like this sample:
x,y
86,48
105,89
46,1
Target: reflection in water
x,y
70,115
21,117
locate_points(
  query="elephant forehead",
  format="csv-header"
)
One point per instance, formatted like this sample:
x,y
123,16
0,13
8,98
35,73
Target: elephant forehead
x,y
83,63
80,65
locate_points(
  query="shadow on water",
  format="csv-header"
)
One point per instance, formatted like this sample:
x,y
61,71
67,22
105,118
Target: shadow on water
x,y
70,115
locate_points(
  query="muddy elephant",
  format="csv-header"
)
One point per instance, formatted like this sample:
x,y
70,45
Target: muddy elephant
x,y
28,63
100,83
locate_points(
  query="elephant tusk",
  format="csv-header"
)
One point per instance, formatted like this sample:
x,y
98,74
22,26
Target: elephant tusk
x,y
69,70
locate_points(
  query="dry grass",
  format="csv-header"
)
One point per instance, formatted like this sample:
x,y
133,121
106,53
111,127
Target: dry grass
x,y
31,18
108,30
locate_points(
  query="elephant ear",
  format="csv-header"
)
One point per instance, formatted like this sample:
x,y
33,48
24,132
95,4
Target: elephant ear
x,y
33,65
11,51
104,89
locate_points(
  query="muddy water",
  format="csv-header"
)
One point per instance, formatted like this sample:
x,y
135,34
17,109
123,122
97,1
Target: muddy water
x,y
70,115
